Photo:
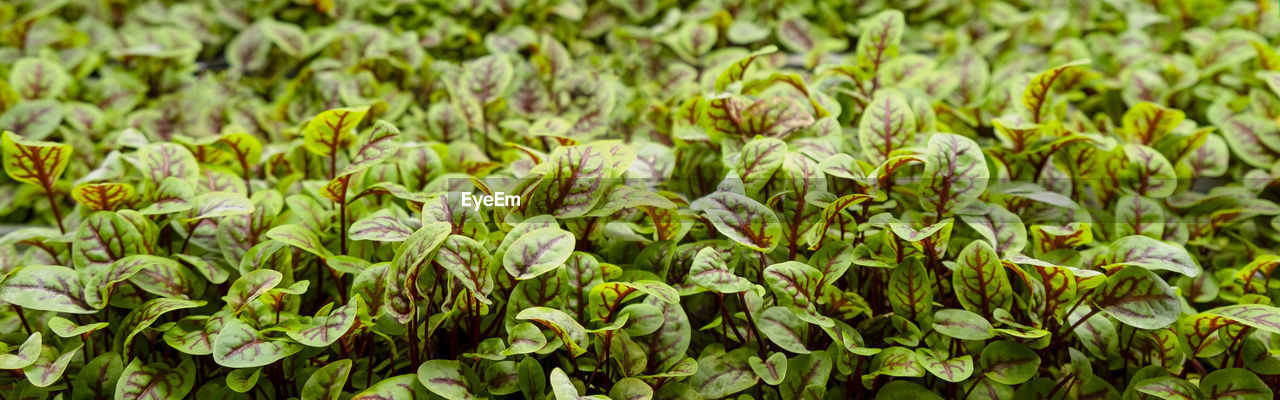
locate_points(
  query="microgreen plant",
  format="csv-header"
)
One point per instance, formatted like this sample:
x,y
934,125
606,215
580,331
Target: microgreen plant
x,y
639,199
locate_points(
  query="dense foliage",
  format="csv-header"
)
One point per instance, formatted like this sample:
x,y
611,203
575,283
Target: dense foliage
x,y
810,199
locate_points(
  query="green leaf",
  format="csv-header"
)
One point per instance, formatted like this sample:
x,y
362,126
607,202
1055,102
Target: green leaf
x,y
322,331
794,283
35,119
1258,316
173,195
446,379
955,174
1234,384
1152,254
910,289
570,332
1097,334
525,338
63,327
34,162
573,181
36,78
1228,47
159,161
382,141
98,377
194,334
896,361
784,329
1002,228
250,286
332,130
759,159
402,275
980,281
880,39
164,277
143,317
773,117
721,373
27,354
738,70
48,288
832,260
246,148
487,78
563,388
243,380
382,226
467,260
396,387
1168,387
1137,215
631,389
1008,362
239,345
287,37
538,252
988,389
772,370
741,219
955,369
502,378
1137,297
905,390
1255,140
300,237
532,381
219,204
102,239
1146,122
1148,172
1036,95
961,324
710,271
887,126
102,196
805,371
626,197
155,381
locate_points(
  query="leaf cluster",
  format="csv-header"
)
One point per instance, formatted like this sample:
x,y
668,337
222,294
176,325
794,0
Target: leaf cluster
x,y
709,199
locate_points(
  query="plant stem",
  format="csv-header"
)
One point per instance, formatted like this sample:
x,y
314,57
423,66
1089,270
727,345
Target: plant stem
x,y
759,273
413,337
1235,340
1080,321
1128,343
337,282
88,346
752,322
728,319
1058,386
248,174
970,390
333,165
53,204
279,379
368,377
342,226
187,240
22,318
475,321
